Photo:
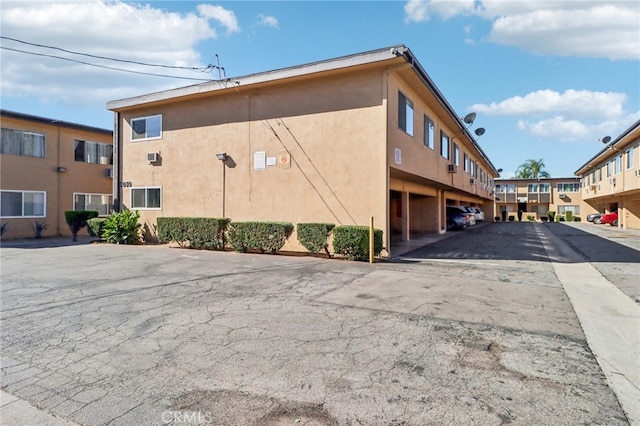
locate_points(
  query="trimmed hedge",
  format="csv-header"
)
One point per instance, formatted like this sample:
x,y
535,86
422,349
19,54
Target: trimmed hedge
x,y
314,236
77,219
95,226
199,232
569,216
265,237
352,241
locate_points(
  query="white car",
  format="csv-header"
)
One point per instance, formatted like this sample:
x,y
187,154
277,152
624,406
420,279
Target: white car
x,y
478,213
472,213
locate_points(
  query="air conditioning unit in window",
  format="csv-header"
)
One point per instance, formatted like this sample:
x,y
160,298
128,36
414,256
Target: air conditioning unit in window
x,y
108,173
152,157
562,195
451,168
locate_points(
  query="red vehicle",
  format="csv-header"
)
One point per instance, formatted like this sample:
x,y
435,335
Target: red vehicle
x,y
610,218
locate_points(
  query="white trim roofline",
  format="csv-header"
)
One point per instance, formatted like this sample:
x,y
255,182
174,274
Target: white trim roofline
x,y
296,71
600,155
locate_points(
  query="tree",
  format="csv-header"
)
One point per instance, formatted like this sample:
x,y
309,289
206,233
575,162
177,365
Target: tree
x,y
532,169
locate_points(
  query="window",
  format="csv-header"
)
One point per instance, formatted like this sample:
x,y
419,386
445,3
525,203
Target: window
x,y
97,202
573,209
618,164
405,114
146,127
500,189
444,145
23,204
472,167
511,188
93,152
608,168
533,188
568,187
466,162
146,198
429,132
600,174
545,188
19,142
629,158
456,154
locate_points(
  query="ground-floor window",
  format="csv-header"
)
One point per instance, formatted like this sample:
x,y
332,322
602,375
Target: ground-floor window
x,y
96,202
573,209
23,204
146,198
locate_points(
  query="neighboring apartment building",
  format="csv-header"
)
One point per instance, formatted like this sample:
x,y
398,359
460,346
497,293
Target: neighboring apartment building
x,y
611,178
339,141
536,197
48,167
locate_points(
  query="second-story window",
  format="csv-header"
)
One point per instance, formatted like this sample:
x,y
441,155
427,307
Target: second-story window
x,y
144,128
405,114
456,154
20,142
629,158
93,152
568,187
429,132
533,188
444,145
618,164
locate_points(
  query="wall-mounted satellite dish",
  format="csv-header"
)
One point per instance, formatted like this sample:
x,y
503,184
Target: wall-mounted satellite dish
x,y
469,118
479,131
606,139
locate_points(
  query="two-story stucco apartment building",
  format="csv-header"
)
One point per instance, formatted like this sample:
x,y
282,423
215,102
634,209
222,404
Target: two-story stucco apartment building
x,y
611,178
50,166
536,197
339,141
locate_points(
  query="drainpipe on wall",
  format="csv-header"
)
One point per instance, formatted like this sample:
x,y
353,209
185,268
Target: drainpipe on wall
x,y
117,174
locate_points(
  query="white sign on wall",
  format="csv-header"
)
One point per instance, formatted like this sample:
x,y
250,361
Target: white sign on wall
x,y
398,156
259,160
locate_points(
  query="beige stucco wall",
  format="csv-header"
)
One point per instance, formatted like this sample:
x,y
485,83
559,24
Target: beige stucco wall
x,y
333,128
40,174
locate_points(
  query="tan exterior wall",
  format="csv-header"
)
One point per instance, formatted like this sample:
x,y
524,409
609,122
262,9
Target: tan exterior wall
x,y
336,143
23,173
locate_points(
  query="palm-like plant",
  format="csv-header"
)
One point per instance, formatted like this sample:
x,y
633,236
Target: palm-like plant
x,y
532,169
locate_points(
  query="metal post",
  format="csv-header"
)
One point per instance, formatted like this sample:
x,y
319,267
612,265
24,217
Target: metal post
x,y
371,240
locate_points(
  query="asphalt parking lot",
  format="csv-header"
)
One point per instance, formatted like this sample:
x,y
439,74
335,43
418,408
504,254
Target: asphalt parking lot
x,y
475,329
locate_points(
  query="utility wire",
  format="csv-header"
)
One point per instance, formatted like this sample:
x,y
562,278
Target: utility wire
x,y
200,69
102,66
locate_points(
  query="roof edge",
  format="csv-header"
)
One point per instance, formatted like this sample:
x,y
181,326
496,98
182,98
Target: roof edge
x,y
53,122
616,141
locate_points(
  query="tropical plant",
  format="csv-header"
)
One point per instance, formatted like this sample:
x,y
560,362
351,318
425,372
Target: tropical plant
x,y
122,228
532,169
38,227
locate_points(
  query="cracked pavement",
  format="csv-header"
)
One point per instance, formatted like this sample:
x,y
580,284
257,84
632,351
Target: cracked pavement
x,y
475,329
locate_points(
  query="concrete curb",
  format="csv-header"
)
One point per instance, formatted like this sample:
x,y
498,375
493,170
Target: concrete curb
x,y
18,412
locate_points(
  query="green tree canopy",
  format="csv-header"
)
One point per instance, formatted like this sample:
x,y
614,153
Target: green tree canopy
x,y
532,169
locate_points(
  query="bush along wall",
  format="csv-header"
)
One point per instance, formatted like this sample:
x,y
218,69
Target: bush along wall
x,y
95,226
198,232
352,241
77,219
315,236
265,237
122,228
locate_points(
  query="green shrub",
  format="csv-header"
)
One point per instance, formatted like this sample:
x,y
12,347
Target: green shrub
x,y
560,218
266,237
531,218
314,236
95,226
353,241
199,232
77,219
569,216
552,215
577,219
122,228
512,218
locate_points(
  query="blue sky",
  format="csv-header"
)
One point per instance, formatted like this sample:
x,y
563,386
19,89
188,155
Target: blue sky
x,y
547,79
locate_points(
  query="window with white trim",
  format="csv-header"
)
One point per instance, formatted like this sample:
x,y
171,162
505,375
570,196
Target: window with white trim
x,y
545,188
618,164
144,128
573,209
533,188
100,203
146,198
456,154
466,162
405,114
23,203
429,132
629,158
20,142
568,187
93,152
444,145
608,168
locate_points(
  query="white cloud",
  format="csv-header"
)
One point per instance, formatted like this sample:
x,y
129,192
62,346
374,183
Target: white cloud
x,y
114,29
268,21
590,28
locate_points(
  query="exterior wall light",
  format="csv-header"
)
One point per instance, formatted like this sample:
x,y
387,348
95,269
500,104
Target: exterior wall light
x,y
222,156
61,169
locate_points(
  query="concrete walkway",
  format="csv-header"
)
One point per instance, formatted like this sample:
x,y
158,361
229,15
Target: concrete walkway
x,y
610,321
18,412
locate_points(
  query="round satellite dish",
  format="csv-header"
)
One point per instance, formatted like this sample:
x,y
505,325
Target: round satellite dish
x,y
479,131
606,139
469,118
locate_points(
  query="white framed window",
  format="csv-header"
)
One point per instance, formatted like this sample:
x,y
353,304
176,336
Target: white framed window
x,y
100,203
608,168
456,154
545,188
618,165
533,188
629,158
93,152
23,204
20,142
472,168
466,162
573,209
148,198
511,188
145,128
444,145
568,187
429,133
405,114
